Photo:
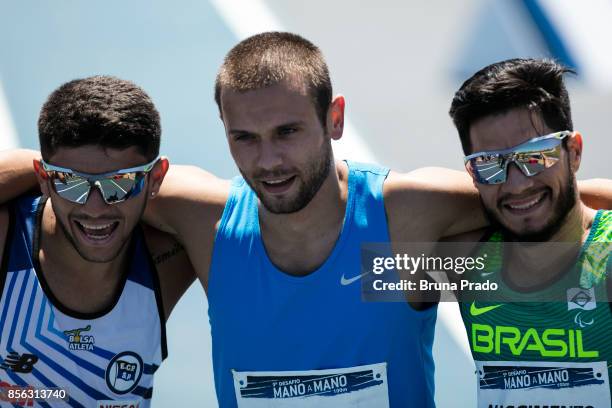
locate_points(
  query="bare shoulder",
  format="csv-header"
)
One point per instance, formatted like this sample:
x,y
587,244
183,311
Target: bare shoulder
x,y
431,202
4,226
189,206
424,181
194,185
189,197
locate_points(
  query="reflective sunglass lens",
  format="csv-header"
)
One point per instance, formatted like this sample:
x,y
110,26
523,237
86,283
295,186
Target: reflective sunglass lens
x,y
71,188
489,171
120,188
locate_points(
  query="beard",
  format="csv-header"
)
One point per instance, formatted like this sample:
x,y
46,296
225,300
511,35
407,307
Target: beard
x,y
562,207
312,178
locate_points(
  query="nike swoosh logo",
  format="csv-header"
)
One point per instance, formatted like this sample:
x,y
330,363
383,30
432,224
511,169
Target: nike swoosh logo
x,y
477,311
344,281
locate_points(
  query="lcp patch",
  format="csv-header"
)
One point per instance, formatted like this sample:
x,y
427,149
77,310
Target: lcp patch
x,y
123,372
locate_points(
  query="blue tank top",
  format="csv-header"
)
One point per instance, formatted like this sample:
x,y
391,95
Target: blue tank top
x,y
103,359
281,340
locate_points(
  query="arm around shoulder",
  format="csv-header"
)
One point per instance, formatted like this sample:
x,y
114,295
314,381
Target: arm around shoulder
x,y
16,173
596,193
188,197
429,203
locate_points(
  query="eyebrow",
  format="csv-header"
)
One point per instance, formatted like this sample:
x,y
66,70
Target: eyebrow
x,y
291,124
238,131
296,123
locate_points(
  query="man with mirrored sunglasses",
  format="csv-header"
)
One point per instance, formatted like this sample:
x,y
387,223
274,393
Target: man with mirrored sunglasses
x,y
544,339
115,187
84,303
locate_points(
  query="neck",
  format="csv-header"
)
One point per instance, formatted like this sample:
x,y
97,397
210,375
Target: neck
x,y
323,212
534,263
576,225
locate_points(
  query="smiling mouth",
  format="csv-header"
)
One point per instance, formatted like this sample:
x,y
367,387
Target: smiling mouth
x,y
97,232
521,206
278,185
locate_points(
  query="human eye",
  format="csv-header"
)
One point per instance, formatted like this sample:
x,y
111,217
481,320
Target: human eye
x,y
287,130
243,137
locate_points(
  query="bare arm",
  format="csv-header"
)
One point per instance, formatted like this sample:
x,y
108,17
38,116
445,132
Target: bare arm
x,y
175,271
596,193
16,174
422,207
430,203
189,206
187,194
4,224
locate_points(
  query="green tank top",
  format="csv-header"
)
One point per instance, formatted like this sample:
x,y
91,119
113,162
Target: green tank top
x,y
546,354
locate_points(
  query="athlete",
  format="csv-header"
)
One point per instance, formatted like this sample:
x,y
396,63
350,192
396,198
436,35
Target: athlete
x,y
84,297
278,250
544,339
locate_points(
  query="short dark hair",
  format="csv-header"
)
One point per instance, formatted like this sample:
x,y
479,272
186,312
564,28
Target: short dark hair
x,y
268,58
535,84
99,110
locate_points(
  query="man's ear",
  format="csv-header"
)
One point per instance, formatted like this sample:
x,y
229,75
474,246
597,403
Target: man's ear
x,y
156,176
574,149
335,117
41,176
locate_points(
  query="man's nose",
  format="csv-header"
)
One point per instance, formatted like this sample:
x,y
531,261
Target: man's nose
x,y
516,181
95,204
269,156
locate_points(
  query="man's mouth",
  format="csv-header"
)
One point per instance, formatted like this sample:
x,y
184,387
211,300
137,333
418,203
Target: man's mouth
x,y
97,232
278,185
525,205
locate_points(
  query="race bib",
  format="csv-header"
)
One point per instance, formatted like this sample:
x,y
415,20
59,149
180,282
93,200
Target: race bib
x,y
362,386
513,384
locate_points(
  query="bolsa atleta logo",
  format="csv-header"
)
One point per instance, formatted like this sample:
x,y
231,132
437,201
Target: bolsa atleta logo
x,y
78,341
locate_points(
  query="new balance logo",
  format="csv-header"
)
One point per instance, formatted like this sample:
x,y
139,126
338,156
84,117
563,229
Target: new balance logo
x,y
19,363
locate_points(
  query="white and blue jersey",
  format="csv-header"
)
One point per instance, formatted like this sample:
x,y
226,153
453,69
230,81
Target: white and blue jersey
x,y
102,359
286,341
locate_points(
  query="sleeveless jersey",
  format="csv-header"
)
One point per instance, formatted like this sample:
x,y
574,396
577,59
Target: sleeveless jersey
x,y
104,359
546,354
286,341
